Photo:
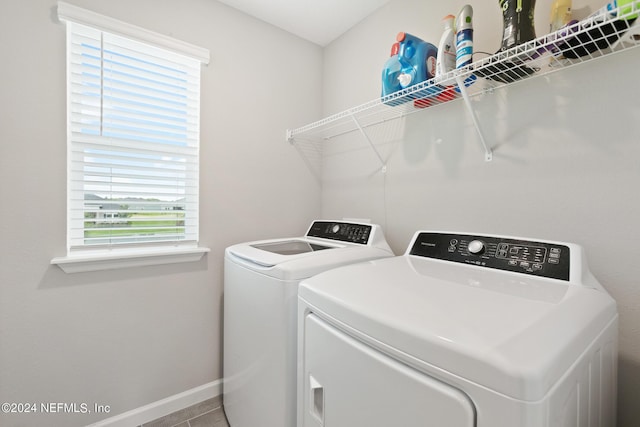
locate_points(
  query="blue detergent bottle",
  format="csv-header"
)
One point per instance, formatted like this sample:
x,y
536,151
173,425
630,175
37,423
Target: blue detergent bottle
x,y
421,55
395,71
412,61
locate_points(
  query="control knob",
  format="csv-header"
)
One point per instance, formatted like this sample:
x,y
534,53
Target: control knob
x,y
476,247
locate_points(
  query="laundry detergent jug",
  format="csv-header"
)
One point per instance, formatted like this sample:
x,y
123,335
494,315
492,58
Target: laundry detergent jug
x,y
412,61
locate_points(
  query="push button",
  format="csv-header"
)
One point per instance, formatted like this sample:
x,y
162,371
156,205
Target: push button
x,y
476,247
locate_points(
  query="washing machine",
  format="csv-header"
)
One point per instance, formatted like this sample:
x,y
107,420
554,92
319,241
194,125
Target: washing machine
x,y
260,327
463,330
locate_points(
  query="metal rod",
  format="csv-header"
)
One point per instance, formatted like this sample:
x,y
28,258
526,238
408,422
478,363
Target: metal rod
x,y
379,122
488,155
369,141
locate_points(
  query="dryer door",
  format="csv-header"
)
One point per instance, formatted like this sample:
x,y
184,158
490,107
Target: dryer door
x,y
349,384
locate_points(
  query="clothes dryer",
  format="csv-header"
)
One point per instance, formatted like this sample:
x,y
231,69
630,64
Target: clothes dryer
x,y
464,330
260,328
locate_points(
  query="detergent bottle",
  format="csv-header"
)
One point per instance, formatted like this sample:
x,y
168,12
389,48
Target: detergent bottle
x,y
446,58
422,57
560,14
517,21
395,72
412,61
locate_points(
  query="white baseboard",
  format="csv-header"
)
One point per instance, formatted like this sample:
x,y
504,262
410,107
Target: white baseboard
x,y
163,407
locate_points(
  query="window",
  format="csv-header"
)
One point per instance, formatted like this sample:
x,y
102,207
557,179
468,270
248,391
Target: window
x,y
133,117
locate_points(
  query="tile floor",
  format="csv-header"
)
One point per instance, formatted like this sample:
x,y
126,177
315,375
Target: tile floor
x,y
204,414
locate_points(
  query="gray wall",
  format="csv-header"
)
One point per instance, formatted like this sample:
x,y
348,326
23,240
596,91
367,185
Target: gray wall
x,y
566,157
130,337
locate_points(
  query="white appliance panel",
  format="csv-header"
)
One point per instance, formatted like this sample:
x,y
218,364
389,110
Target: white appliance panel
x,y
259,352
517,335
349,384
519,328
260,324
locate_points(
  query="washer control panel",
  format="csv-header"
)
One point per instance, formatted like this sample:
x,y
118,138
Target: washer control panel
x,y
521,256
342,231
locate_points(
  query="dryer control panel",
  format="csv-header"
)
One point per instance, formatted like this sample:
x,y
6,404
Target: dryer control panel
x,y
521,256
342,231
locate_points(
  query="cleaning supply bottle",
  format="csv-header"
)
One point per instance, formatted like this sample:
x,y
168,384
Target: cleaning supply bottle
x,y
560,14
517,21
421,55
412,61
394,68
464,37
446,57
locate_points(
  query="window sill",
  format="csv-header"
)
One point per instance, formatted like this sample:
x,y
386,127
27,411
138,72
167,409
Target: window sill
x,y
127,258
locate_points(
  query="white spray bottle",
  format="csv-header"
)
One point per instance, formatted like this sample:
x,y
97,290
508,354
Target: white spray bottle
x,y
446,57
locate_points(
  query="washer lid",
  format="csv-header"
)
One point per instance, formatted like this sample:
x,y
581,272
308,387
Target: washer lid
x,y
509,332
291,247
300,258
269,253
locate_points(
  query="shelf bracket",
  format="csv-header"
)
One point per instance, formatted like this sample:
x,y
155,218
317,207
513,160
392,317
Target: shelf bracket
x,y
488,154
364,134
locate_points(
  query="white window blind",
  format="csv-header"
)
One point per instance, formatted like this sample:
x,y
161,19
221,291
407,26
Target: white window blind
x,y
133,130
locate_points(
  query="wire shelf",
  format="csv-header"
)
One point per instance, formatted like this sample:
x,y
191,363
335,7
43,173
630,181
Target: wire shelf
x,y
596,36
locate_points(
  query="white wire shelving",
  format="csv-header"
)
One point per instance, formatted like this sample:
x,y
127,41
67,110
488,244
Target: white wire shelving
x,y
597,36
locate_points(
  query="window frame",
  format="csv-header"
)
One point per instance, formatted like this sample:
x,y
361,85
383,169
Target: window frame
x,y
87,258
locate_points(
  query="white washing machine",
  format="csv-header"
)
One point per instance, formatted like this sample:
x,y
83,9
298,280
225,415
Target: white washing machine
x,y
260,327
462,331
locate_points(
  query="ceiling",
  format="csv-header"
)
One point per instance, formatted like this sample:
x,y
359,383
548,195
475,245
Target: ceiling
x,y
319,21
